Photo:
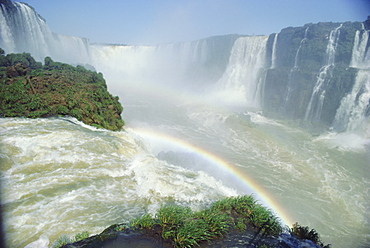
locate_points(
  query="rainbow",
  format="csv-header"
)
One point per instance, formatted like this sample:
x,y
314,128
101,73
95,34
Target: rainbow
x,y
262,195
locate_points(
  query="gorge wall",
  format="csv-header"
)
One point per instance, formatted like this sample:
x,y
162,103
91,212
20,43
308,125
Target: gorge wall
x,y
318,74
315,67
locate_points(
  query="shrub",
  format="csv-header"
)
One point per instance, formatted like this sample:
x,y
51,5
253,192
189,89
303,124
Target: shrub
x,y
57,88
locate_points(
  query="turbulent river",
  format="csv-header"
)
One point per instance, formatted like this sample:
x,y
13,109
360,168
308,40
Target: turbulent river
x,y
60,176
186,144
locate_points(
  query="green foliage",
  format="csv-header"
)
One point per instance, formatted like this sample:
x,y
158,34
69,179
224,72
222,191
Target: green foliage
x,y
191,233
119,227
218,223
57,89
265,246
61,241
49,65
172,215
24,58
245,212
61,110
81,236
187,228
145,221
64,239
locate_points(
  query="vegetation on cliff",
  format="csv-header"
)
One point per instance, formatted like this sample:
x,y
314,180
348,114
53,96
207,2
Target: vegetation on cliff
x,y
32,90
179,226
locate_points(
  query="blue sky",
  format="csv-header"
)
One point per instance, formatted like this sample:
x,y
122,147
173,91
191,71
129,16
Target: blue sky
x,y
148,22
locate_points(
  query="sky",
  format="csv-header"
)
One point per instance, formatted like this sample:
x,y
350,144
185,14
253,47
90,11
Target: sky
x,y
150,22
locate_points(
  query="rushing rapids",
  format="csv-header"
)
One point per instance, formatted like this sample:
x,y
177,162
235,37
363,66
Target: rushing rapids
x,y
190,138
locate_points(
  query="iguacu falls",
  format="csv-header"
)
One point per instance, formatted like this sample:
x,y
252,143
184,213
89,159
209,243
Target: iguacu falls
x,y
285,117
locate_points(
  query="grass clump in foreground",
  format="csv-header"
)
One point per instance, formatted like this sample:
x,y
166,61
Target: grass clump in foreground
x,y
64,239
179,226
186,228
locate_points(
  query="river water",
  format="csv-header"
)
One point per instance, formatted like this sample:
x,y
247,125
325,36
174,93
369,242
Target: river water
x,y
60,176
183,142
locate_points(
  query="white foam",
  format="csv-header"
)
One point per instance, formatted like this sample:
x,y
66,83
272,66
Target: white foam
x,y
349,141
63,178
42,242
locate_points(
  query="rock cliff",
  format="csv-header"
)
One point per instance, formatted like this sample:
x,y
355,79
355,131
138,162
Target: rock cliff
x,y
312,71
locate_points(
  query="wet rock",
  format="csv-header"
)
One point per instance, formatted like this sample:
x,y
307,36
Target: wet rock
x,y
287,241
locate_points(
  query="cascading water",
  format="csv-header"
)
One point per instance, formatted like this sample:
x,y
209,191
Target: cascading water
x,y
20,22
241,85
55,170
354,110
185,65
273,55
361,52
5,30
353,113
313,111
23,30
294,68
60,176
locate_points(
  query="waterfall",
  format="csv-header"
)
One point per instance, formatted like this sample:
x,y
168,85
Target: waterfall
x,y
243,79
352,115
194,52
23,30
233,66
313,111
273,55
360,53
163,64
6,38
354,110
294,68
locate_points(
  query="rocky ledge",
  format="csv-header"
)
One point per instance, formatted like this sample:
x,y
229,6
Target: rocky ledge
x,y
129,238
231,222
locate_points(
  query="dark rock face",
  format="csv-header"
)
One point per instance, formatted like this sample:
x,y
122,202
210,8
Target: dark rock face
x,y
367,23
128,238
301,55
288,241
6,3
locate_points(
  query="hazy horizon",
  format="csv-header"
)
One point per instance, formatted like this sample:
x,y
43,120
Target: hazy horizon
x,y
144,22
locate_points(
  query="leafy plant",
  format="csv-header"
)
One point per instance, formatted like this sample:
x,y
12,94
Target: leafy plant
x,y
187,228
